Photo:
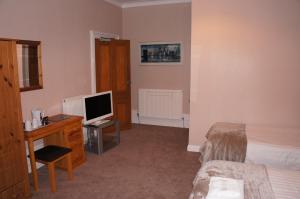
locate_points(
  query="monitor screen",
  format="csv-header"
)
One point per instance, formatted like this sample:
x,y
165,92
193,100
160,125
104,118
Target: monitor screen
x,y
98,106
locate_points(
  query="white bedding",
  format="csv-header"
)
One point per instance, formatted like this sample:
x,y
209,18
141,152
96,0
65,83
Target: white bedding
x,y
277,156
274,147
285,183
279,150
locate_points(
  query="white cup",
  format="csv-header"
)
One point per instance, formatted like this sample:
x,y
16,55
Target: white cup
x,y
35,123
27,125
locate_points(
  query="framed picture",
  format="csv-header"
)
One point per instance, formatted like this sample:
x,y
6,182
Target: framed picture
x,y
160,53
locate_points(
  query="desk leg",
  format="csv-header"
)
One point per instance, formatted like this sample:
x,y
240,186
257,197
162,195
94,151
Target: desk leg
x,y
33,165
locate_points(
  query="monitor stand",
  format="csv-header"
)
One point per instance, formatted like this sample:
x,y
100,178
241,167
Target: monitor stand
x,y
97,123
98,143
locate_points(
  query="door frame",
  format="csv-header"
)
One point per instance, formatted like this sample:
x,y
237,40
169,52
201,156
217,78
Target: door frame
x,y
94,35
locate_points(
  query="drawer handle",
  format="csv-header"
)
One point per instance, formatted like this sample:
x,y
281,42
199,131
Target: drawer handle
x,y
74,130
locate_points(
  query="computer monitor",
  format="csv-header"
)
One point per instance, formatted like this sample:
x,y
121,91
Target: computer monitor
x,y
97,107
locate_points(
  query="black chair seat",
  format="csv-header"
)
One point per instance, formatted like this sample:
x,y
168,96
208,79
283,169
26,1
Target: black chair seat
x,y
51,153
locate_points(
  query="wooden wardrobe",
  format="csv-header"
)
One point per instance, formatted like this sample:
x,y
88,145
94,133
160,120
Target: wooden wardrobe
x,y
13,166
113,73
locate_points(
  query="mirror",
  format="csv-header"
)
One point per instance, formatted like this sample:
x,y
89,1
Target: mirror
x,y
29,65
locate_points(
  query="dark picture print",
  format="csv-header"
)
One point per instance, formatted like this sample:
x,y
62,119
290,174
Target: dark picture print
x,y
160,53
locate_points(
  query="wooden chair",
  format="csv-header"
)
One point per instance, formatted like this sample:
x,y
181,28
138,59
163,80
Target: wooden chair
x,y
49,155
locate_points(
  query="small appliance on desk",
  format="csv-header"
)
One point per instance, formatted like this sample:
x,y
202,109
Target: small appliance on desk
x,y
96,108
36,116
38,120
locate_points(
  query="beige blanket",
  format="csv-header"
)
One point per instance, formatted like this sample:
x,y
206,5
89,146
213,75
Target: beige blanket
x,y
225,141
256,180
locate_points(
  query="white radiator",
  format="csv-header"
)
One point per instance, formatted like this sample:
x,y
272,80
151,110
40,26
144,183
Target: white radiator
x,y
156,103
73,105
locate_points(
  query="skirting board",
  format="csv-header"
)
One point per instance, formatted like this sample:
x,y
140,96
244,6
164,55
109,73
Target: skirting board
x,y
193,148
181,123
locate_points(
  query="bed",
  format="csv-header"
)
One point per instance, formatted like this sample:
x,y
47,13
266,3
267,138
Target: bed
x,y
285,183
272,168
260,182
279,150
255,177
225,141
274,147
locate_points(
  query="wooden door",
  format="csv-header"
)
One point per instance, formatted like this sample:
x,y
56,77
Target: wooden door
x,y
121,81
103,66
113,73
13,168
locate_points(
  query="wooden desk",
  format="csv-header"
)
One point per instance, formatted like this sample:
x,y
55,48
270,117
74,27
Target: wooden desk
x,y
67,132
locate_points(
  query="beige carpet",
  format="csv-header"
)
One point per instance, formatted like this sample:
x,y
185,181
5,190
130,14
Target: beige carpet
x,y
150,163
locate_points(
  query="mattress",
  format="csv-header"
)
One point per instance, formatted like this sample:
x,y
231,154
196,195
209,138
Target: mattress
x,y
274,147
277,156
285,183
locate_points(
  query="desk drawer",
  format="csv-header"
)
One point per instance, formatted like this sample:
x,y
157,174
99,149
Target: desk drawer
x,y
75,137
73,133
73,127
78,155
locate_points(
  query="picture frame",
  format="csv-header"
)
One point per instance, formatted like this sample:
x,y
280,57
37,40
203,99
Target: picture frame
x,y
160,53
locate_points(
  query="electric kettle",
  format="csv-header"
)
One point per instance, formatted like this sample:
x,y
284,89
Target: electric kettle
x,y
36,114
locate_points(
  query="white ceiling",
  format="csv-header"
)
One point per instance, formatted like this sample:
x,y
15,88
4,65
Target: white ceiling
x,y
136,3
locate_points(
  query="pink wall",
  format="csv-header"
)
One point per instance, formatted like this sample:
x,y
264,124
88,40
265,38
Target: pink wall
x,y
170,22
245,64
63,27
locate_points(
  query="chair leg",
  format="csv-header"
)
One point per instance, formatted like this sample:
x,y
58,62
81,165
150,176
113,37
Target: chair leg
x,y
51,169
69,167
